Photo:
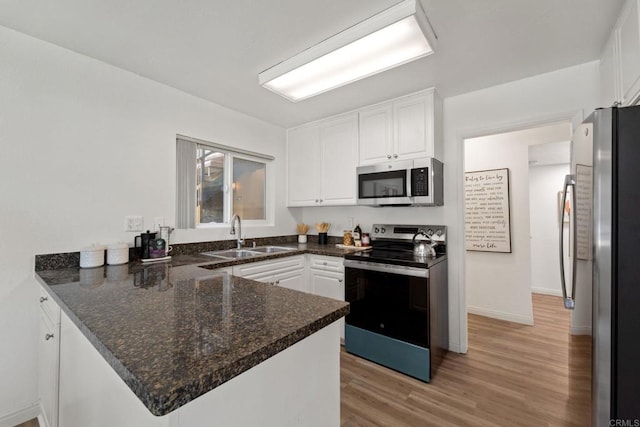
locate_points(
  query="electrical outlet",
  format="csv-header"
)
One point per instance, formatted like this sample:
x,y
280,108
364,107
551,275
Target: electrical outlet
x,y
158,222
350,222
133,223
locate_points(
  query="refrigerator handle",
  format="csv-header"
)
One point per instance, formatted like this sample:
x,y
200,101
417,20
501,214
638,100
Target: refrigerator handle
x,y
569,302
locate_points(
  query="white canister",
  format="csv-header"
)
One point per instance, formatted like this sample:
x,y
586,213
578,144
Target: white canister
x,y
302,238
92,256
117,253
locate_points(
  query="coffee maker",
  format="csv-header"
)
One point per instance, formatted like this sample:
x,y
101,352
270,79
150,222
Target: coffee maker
x,y
142,244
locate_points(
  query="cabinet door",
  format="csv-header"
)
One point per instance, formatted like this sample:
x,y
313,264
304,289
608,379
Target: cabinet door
x,y
338,160
292,280
376,134
302,166
328,284
609,78
413,127
48,368
629,33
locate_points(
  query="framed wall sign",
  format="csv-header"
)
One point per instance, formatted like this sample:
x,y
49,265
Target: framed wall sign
x,y
487,220
583,213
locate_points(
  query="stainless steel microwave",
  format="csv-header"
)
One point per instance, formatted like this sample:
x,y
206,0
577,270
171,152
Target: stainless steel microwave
x,y
401,183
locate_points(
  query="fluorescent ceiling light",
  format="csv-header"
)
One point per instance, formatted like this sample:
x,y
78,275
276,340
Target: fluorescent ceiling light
x,y
393,37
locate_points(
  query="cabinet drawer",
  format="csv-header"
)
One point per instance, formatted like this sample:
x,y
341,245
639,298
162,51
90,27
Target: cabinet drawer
x,y
273,266
326,263
49,306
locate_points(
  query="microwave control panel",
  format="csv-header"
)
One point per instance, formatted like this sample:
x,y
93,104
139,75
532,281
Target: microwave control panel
x,y
420,182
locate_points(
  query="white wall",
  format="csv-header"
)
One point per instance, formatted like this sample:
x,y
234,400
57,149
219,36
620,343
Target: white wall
x,y
544,183
498,284
83,145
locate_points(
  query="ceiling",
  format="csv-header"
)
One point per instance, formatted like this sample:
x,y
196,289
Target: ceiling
x,y
215,49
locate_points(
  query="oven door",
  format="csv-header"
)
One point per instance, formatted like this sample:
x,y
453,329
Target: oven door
x,y
389,300
384,184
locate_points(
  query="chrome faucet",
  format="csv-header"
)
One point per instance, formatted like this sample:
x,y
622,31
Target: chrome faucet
x,y
239,240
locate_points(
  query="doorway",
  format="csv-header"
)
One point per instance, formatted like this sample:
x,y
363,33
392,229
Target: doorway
x,y
498,284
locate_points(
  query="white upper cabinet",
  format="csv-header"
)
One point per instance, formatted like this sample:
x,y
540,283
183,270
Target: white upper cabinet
x,y
302,166
401,129
322,156
609,73
321,161
629,34
620,60
338,160
376,128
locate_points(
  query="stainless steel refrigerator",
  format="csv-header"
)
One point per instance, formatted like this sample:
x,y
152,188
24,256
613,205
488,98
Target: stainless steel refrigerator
x,y
604,193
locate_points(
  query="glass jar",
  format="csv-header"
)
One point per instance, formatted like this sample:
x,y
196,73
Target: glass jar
x,y
347,239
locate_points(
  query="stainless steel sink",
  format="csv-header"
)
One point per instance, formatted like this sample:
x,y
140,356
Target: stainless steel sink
x,y
247,253
272,249
232,253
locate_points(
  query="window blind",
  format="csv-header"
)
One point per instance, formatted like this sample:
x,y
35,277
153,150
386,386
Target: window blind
x,y
185,184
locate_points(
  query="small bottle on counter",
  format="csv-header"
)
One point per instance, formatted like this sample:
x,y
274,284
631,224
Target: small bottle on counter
x,y
366,241
357,232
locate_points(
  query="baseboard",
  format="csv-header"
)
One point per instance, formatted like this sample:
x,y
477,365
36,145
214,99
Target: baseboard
x,y
546,291
581,330
500,315
20,416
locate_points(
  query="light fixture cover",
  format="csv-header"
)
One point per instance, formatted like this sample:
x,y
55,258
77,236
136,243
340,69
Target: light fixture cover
x,y
391,38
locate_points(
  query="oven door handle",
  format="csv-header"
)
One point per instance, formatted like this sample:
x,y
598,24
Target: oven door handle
x,y
387,268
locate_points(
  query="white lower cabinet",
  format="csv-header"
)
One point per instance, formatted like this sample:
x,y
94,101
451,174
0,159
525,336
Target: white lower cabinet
x,y
48,360
93,394
326,278
287,272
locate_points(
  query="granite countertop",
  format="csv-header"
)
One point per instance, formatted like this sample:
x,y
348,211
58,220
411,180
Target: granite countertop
x,y
191,254
174,331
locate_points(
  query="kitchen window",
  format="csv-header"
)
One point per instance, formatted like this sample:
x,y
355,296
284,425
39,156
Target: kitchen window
x,y
214,182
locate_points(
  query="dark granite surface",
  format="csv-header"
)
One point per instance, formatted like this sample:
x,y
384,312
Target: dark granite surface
x,y
175,330
174,333
190,253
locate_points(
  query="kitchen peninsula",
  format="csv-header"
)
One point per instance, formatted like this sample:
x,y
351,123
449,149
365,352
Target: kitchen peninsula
x,y
190,347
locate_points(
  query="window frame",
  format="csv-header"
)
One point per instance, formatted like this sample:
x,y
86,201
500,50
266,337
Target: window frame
x,y
231,153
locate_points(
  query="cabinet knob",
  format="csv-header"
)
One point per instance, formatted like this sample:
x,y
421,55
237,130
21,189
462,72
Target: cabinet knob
x,y
43,299
320,200
48,336
388,156
277,282
324,263
395,156
339,280
317,201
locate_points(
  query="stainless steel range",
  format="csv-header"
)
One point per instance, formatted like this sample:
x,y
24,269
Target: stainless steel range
x,y
399,304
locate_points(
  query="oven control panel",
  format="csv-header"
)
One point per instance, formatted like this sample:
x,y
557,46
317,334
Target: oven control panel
x,y
406,232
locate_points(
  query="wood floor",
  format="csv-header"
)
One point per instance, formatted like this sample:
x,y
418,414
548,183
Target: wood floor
x,y
31,423
512,375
